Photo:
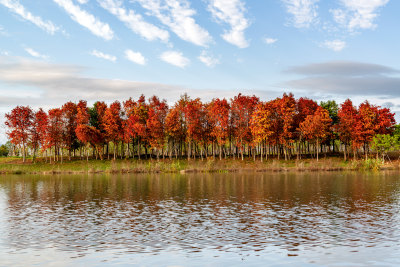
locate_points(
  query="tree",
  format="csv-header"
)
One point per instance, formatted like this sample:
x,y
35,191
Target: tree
x,y
137,113
316,127
55,128
286,107
383,143
70,112
173,128
347,121
156,123
39,131
242,109
90,127
332,107
194,112
19,122
263,123
219,114
366,125
113,124
4,151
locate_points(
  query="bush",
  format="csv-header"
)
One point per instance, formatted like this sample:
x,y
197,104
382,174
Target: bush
x,y
3,151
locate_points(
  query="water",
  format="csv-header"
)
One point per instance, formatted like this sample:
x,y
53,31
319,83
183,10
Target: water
x,y
281,219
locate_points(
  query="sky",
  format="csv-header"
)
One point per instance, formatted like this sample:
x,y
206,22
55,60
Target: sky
x,y
54,51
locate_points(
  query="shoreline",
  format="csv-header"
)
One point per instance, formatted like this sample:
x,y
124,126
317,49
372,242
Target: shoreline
x,y
183,166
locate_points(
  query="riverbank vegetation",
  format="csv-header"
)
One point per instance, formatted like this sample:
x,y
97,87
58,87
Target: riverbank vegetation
x,y
241,129
15,165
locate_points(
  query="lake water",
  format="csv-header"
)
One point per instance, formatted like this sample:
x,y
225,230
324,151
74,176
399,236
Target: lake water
x,y
275,219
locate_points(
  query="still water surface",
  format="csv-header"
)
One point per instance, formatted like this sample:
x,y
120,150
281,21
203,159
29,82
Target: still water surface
x,y
286,219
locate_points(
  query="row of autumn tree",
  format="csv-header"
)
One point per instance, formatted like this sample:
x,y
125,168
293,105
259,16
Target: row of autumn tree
x,y
243,126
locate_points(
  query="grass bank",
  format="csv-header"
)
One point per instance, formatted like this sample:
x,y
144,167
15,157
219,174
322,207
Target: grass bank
x,y
16,166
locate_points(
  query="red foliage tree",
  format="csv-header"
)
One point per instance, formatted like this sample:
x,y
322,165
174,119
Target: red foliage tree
x,y
39,131
138,113
70,112
86,133
242,108
55,129
316,127
348,116
19,121
286,107
156,123
112,124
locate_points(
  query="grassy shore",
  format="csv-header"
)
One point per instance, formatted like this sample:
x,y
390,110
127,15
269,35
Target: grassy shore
x,y
16,166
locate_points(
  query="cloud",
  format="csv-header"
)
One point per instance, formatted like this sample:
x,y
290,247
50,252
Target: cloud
x,y
82,2
178,16
347,78
335,45
175,58
86,19
4,52
135,57
53,84
269,41
358,14
99,54
20,10
304,12
342,68
34,53
134,21
232,13
208,60
49,85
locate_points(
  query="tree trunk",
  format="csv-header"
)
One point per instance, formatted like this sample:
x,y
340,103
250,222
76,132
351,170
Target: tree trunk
x,y
189,150
138,148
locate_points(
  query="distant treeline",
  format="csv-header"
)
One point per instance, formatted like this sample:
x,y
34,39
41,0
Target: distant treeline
x,y
242,127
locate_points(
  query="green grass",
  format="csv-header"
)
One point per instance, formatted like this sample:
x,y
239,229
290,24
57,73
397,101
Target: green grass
x,y
15,165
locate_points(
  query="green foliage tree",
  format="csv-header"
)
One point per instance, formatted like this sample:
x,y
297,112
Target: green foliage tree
x,y
332,107
383,143
3,151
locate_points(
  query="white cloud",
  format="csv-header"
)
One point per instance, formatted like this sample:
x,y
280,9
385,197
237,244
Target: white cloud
x,y
34,53
232,13
304,12
82,2
4,53
335,45
339,16
178,16
175,58
358,14
99,54
135,57
269,41
208,60
86,19
134,21
20,10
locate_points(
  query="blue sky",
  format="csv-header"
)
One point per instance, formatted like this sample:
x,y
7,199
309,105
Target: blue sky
x,y
53,51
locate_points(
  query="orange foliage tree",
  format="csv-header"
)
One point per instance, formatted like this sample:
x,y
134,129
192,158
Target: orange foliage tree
x,y
316,127
218,111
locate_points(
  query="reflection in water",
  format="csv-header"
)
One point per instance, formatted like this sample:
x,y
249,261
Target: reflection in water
x,y
321,218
